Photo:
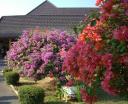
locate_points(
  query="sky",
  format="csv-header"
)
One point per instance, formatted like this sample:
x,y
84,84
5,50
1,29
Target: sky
x,y
22,7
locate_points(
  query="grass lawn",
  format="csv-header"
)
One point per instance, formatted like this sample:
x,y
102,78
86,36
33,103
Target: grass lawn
x,y
107,99
50,91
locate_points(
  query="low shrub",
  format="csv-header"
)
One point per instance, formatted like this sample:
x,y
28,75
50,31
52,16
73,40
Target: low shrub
x,y
31,95
12,77
6,70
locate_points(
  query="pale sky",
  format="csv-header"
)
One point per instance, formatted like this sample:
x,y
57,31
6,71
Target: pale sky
x,y
22,7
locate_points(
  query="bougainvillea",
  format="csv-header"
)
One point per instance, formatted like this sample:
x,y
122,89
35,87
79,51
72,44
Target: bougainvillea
x,y
100,56
37,53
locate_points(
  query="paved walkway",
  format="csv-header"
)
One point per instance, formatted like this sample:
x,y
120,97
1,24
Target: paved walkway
x,y
7,96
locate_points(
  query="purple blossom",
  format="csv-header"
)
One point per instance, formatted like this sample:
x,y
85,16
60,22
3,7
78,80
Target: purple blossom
x,y
126,12
124,1
37,37
47,56
39,53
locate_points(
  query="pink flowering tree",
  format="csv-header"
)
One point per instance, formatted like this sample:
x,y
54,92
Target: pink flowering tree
x,y
100,56
37,54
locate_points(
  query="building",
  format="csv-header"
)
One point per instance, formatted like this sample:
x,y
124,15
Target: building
x,y
46,15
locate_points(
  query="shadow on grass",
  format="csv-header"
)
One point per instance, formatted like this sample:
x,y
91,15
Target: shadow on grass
x,y
56,102
103,96
25,83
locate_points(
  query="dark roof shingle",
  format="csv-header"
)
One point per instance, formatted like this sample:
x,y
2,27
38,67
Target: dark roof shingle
x,y
16,24
45,15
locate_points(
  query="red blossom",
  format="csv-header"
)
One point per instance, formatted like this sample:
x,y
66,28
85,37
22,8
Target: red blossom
x,y
107,61
124,60
86,97
105,84
98,2
90,32
96,53
121,33
70,83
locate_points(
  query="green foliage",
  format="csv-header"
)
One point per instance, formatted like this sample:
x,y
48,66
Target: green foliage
x,y
31,95
93,23
6,70
91,18
79,85
48,67
59,93
12,77
56,49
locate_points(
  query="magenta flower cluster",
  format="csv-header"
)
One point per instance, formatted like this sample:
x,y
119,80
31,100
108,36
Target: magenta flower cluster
x,y
38,54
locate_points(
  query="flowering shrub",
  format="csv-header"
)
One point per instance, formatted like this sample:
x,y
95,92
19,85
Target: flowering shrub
x,y
38,54
100,56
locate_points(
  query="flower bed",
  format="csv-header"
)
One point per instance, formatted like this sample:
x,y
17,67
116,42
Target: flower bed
x,y
51,97
99,58
102,59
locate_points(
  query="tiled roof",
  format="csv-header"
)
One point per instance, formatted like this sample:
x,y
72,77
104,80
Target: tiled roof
x,y
45,15
47,8
63,11
13,25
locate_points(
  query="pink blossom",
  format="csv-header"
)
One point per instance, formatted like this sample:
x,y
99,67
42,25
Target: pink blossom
x,y
121,33
63,53
105,84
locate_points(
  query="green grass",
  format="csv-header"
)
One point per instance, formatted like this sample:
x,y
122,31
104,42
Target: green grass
x,y
103,99
51,98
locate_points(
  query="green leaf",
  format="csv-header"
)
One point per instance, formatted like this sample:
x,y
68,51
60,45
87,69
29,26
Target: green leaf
x,y
90,90
93,23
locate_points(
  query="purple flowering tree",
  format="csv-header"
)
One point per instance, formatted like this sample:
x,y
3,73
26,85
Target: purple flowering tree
x,y
38,54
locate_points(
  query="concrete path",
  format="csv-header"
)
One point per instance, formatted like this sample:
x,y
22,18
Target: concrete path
x,y
7,96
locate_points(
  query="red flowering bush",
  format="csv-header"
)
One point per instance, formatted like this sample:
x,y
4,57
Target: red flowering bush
x,y
100,56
